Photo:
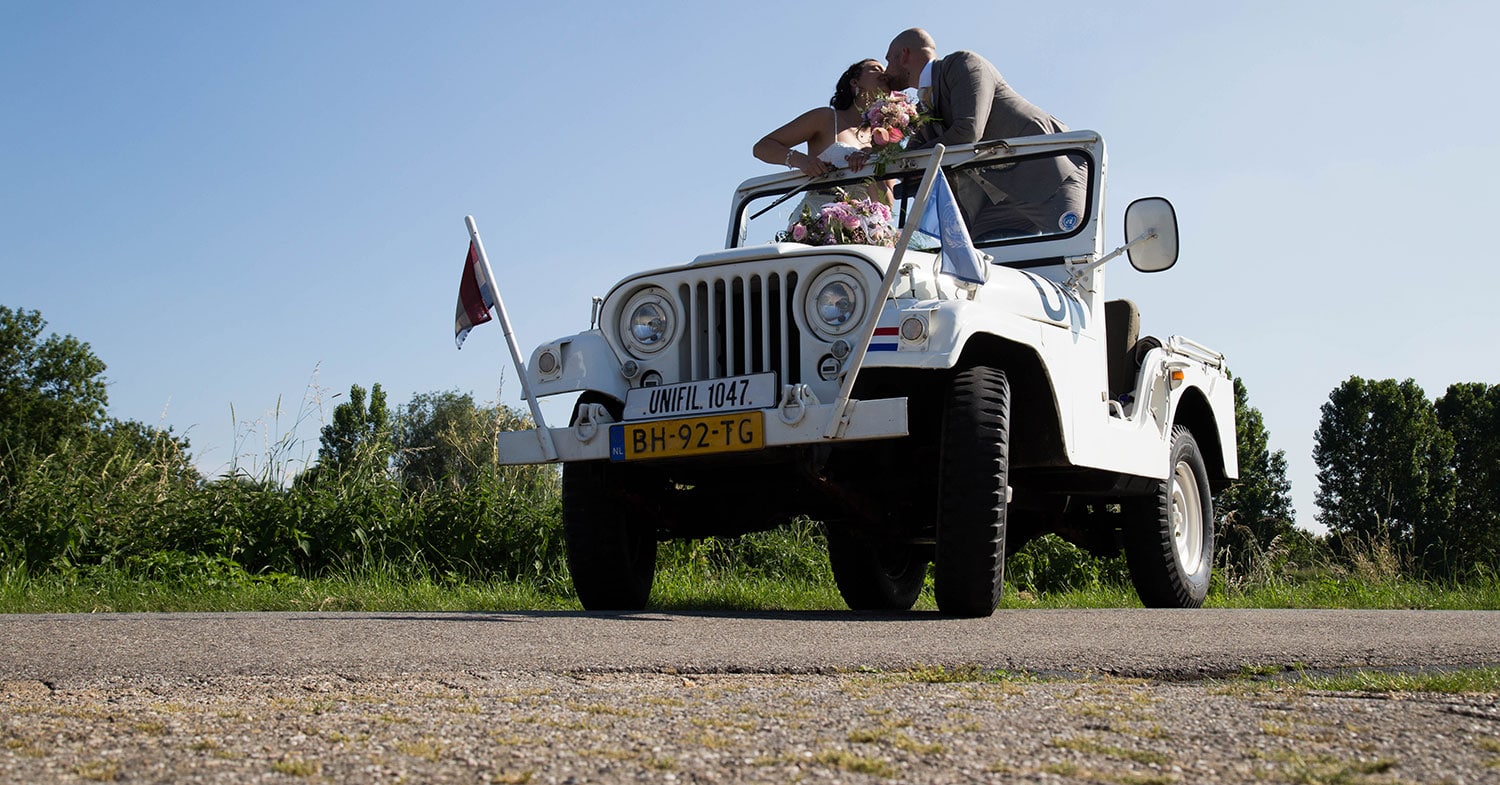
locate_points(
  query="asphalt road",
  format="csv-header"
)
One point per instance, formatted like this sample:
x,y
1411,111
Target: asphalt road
x,y
1176,645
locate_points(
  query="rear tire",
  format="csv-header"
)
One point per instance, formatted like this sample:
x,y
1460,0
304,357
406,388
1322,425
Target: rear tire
x,y
611,547
973,465
1169,542
875,575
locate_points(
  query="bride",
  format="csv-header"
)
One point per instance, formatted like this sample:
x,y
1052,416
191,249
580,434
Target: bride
x,y
832,131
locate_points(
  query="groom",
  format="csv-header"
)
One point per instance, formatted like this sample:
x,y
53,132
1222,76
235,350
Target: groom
x,y
973,103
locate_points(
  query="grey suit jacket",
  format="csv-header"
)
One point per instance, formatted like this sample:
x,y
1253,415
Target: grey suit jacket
x,y
973,103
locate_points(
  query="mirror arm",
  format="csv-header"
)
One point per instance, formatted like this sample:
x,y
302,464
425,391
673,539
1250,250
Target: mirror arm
x,y
1077,272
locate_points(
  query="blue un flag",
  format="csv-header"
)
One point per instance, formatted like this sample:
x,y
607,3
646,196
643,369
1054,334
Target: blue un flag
x,y
942,220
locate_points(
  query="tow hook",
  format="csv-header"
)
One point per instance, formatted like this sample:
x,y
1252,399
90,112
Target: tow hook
x,y
795,398
589,417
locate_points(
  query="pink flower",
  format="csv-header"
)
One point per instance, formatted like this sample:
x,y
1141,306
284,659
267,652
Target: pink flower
x,y
849,220
895,135
880,136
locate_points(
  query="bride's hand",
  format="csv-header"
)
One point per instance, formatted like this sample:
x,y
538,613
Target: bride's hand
x,y
814,167
857,160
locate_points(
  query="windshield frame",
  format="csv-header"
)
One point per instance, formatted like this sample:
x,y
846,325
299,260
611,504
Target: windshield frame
x,y
910,167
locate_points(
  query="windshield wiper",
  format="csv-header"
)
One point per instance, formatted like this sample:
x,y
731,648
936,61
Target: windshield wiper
x,y
789,194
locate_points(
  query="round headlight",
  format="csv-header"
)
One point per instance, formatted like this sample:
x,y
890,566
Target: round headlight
x,y
646,322
836,302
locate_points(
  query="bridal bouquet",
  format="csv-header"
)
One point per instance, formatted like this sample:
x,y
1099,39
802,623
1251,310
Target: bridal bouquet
x,y
890,120
849,221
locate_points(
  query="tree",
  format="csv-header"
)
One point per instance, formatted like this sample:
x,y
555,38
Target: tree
x,y
359,439
1383,462
1257,508
51,390
446,436
136,443
1470,538
442,435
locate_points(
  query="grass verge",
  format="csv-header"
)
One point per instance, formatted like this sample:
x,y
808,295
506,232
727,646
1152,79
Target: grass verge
x,y
364,590
677,589
1466,680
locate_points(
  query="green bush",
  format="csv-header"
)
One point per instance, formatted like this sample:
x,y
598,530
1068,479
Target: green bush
x,y
796,553
86,508
1050,564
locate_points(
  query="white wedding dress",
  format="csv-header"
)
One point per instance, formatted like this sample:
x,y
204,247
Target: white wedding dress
x,y
837,154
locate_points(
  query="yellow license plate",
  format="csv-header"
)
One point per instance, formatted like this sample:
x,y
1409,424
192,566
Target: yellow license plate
x,y
714,433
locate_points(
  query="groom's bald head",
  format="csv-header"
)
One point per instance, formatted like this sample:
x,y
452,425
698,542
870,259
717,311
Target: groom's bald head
x,y
909,52
914,38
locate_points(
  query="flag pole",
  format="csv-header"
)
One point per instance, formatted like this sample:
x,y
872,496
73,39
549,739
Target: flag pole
x,y
549,450
862,346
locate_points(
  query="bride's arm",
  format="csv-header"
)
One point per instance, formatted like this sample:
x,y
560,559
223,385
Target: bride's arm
x,y
779,146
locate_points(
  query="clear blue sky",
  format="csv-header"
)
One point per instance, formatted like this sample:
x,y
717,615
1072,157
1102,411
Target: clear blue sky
x,y
237,204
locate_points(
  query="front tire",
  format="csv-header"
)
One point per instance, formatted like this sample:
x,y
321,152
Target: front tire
x,y
873,574
973,465
611,547
1169,544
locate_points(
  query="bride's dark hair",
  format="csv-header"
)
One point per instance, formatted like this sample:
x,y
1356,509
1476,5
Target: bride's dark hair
x,y
844,94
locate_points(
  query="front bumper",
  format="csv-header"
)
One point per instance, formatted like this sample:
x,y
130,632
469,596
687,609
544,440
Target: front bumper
x,y
881,418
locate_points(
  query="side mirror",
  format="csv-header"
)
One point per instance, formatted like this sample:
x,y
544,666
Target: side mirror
x,y
1143,218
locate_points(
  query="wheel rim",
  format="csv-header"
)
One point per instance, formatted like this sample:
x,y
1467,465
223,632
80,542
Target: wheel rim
x,y
1187,517
896,562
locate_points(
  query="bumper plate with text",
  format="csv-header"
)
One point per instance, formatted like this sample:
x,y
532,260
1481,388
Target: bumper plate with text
x,y
735,393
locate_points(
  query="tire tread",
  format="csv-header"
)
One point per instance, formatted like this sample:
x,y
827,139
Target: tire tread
x,y
970,574
1159,580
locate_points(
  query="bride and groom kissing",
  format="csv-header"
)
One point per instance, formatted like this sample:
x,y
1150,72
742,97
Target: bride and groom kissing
x,y
965,100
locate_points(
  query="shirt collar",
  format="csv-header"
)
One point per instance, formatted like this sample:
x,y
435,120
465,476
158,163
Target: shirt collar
x,y
924,81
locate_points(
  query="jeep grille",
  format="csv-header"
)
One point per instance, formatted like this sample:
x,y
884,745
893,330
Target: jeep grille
x,y
740,324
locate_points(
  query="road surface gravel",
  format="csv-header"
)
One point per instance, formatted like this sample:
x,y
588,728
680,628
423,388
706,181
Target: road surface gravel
x,y
1115,696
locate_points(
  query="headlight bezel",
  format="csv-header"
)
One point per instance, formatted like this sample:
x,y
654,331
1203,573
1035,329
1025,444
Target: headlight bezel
x,y
837,275
649,296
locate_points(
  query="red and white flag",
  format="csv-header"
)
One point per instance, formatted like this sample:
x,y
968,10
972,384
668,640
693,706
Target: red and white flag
x,y
476,296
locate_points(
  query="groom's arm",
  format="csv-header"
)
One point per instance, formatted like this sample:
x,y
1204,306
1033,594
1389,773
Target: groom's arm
x,y
967,93
970,83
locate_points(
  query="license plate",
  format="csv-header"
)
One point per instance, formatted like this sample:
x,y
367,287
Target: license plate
x,y
756,391
715,433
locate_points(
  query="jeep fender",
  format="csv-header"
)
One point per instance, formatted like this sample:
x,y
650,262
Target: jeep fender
x,y
1213,430
578,362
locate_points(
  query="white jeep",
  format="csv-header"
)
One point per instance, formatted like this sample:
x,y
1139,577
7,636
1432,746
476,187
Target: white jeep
x,y
921,418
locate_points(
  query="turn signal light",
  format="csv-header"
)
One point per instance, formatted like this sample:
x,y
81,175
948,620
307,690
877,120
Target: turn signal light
x,y
548,362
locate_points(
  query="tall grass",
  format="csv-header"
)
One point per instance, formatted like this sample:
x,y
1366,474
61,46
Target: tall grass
x,y
1358,573
98,527
79,514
